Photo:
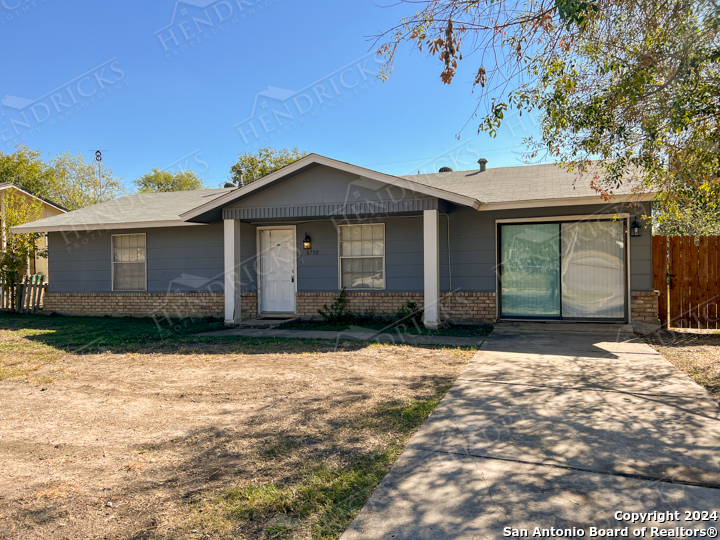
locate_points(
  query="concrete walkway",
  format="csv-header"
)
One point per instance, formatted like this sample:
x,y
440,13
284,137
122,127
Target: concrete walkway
x,y
553,429
369,336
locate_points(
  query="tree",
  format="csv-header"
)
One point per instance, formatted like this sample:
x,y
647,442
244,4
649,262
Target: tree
x,y
250,167
159,181
632,83
74,183
25,168
67,180
696,217
19,248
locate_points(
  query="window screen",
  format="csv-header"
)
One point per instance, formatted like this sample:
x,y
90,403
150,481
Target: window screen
x,y
129,267
362,256
530,270
593,269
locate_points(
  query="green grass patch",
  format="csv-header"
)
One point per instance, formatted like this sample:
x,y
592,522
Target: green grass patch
x,y
93,335
325,497
31,343
90,334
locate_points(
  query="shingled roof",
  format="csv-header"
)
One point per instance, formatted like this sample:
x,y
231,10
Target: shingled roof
x,y
514,184
146,209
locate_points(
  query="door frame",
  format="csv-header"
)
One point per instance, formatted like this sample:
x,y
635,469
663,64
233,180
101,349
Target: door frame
x,y
622,216
259,259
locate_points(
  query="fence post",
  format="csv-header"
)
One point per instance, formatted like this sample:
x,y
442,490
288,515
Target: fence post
x,y
661,271
32,295
27,294
39,285
18,297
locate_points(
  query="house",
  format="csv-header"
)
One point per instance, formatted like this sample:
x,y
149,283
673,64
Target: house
x,y
47,209
531,242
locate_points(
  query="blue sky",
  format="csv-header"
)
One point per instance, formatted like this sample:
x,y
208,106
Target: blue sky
x,y
192,84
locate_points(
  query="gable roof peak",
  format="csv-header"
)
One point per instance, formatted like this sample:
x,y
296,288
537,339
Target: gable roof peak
x,y
312,160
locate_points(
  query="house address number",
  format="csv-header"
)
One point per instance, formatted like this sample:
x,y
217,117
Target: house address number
x,y
312,252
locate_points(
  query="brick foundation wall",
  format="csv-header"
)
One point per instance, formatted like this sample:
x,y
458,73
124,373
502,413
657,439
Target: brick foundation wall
x,y
142,304
474,306
644,306
456,307
468,307
249,305
377,303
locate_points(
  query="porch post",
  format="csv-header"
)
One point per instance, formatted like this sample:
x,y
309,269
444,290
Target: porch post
x,y
431,257
231,240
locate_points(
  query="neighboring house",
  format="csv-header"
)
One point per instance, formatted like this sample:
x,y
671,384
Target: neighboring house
x,y
48,209
531,242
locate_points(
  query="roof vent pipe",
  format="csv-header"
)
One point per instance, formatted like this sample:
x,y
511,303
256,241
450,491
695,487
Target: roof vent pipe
x,y
234,183
483,164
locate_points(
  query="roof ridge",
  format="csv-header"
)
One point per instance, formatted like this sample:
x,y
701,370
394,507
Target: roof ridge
x,y
556,165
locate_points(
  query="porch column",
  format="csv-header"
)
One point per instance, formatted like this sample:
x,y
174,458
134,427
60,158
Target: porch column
x,y
431,258
231,240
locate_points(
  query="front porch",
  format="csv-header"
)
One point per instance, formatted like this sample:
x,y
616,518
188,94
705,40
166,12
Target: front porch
x,y
280,287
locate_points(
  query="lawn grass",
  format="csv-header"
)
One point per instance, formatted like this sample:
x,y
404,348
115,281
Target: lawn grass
x,y
323,498
30,342
276,438
81,335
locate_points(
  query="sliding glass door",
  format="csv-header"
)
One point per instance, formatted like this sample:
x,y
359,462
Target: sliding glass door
x,y
563,270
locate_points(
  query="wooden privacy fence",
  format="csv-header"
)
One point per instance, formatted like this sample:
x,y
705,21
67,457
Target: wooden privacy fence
x,y
24,297
685,271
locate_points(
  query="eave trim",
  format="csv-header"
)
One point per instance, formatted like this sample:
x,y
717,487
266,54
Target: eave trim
x,y
566,201
101,226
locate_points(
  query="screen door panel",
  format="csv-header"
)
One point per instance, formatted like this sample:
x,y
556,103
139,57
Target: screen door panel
x,y
593,270
530,277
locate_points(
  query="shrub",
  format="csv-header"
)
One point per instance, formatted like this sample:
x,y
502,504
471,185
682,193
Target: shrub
x,y
338,312
410,312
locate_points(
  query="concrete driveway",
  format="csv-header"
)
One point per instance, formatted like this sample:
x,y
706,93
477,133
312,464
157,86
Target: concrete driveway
x,y
558,428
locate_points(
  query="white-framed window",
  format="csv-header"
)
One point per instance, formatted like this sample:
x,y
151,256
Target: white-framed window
x,y
362,256
129,266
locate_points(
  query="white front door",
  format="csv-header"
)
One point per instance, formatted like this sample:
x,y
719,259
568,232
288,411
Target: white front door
x,y
277,270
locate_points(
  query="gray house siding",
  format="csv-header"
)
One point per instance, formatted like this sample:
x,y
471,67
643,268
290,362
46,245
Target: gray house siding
x,y
472,251
317,273
185,258
79,262
191,258
404,254
641,273
248,257
178,259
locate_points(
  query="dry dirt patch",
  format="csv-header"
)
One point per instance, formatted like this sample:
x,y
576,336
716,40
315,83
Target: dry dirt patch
x,y
697,353
201,440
